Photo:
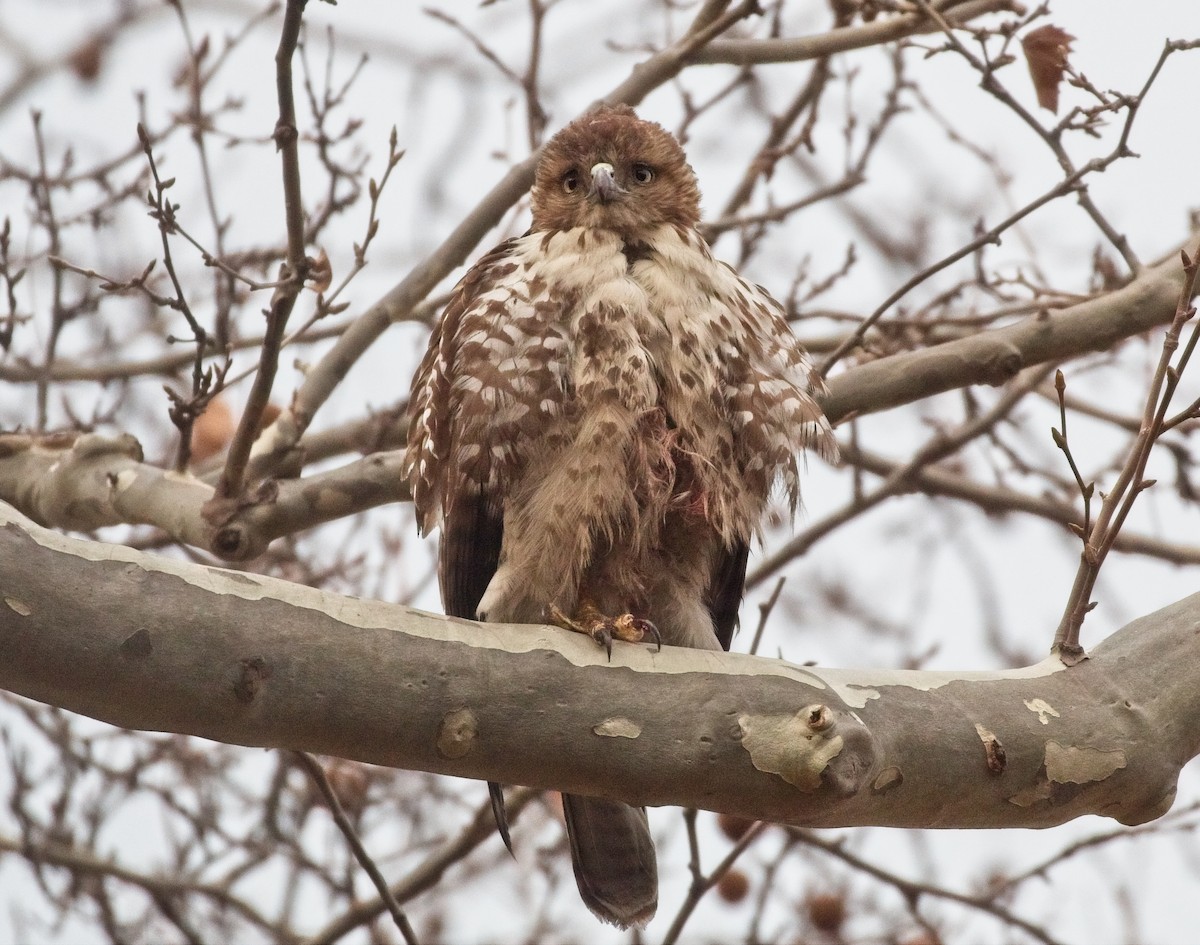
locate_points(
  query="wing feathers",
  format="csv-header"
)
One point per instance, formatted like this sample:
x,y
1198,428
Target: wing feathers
x,y
472,533
725,591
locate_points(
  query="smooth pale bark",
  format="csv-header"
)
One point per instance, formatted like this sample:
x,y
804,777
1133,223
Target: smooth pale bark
x,y
92,481
149,643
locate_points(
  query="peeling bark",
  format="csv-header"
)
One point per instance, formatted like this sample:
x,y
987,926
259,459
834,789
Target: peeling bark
x,y
149,643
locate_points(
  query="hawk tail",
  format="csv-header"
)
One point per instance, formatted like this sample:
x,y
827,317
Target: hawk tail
x,y
613,855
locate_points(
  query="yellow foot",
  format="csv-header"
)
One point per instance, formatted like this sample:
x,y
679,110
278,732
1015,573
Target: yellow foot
x,y
605,629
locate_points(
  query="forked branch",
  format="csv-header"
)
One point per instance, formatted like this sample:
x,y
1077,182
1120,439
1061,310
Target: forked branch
x,y
1117,503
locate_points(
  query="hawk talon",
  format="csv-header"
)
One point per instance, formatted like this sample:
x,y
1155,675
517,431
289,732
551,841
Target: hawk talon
x,y
633,629
555,616
604,629
649,627
600,634
624,628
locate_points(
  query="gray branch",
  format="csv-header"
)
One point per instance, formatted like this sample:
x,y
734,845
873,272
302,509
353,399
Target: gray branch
x,y
751,52
90,481
996,356
148,643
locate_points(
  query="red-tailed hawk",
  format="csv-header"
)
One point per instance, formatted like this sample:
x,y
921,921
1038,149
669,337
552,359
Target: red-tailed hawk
x,y
597,426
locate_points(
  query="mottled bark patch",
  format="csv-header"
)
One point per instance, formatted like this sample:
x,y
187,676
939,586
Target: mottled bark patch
x,y
255,673
456,734
791,747
618,727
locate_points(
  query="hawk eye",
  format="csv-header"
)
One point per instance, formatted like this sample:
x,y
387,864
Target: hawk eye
x,y
643,173
570,181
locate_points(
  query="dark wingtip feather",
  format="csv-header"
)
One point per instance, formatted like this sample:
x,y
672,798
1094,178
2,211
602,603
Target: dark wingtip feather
x,y
500,814
725,591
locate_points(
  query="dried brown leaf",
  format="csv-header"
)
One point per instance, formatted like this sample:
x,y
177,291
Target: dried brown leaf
x,y
1046,50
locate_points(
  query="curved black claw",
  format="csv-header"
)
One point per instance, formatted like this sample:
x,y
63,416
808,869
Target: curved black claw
x,y
649,629
602,635
496,792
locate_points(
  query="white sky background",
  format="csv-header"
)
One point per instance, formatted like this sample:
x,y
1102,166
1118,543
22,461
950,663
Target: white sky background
x,y
461,126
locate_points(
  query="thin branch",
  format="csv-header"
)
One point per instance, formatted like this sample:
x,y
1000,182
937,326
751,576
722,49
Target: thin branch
x,y
293,272
701,883
87,863
745,52
913,891
481,829
1118,502
936,448
1053,335
42,193
1182,820
315,772
764,614
990,236
1062,441
938,481
1052,139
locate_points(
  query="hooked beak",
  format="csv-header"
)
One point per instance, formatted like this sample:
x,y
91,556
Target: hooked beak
x,y
604,186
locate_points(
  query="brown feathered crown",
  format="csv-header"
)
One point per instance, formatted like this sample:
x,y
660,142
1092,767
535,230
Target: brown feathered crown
x,y
610,169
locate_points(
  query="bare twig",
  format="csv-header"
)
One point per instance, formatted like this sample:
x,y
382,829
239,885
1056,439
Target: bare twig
x,y
1073,182
764,614
10,275
1117,503
743,52
42,193
1053,335
294,270
936,448
938,481
702,883
86,862
1062,441
309,763
914,891
481,829
1053,138
991,236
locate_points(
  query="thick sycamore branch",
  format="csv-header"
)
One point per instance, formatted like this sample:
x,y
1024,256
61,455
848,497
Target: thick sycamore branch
x,y
148,643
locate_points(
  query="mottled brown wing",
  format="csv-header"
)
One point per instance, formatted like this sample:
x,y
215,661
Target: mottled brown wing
x,y
489,382
725,591
773,391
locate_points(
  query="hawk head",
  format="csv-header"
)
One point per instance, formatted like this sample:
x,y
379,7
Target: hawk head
x,y
611,170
